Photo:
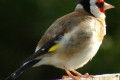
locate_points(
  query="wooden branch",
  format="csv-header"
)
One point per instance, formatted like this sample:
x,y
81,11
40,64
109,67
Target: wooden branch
x,y
115,76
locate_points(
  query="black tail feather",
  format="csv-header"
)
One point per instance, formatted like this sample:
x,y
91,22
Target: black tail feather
x,y
24,67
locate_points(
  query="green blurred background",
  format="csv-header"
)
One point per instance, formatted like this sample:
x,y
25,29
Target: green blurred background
x,y
23,22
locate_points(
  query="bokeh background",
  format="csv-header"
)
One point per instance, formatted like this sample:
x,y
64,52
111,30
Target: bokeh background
x,y
23,22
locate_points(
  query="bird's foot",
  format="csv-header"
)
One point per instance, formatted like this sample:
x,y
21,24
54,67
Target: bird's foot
x,y
73,77
85,76
82,76
78,75
70,75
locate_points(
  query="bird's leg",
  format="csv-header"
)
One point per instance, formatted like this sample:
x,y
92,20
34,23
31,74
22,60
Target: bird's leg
x,y
82,76
77,73
69,75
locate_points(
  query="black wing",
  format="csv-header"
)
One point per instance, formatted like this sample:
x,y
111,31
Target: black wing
x,y
45,48
31,60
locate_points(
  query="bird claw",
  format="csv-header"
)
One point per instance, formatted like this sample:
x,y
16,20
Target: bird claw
x,y
86,76
73,77
78,77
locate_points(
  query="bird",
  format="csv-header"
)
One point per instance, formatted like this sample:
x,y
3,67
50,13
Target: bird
x,y
72,40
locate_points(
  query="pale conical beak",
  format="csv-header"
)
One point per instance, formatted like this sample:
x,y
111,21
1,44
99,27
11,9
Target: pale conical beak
x,y
108,6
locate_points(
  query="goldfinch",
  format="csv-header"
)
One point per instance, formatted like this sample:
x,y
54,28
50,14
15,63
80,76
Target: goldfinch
x,y
72,40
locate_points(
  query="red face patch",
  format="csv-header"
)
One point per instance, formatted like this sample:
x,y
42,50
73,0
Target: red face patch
x,y
100,5
100,1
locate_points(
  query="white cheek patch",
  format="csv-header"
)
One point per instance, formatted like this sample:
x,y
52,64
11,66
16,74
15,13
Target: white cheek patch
x,y
96,12
92,2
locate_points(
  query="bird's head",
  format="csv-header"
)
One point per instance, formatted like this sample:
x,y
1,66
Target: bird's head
x,y
95,7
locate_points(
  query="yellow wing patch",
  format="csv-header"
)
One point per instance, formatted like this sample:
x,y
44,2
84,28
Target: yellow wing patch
x,y
53,48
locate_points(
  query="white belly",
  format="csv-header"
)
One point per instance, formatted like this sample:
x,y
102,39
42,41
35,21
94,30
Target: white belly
x,y
83,57
78,60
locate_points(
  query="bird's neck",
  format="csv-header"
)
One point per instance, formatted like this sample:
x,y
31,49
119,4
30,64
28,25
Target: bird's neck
x,y
79,8
93,12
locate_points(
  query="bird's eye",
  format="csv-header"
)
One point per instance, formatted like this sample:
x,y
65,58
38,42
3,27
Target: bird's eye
x,y
100,4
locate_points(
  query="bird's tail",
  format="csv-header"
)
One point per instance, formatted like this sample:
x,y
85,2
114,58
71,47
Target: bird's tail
x,y
20,70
